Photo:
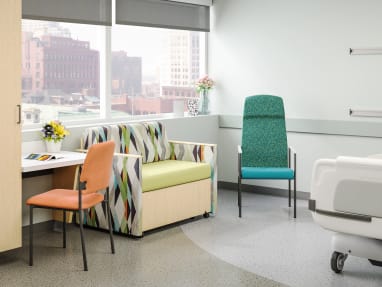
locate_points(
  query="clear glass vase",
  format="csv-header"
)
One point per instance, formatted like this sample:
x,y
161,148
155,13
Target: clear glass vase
x,y
203,103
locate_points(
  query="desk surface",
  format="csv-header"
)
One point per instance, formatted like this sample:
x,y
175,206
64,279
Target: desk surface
x,y
68,158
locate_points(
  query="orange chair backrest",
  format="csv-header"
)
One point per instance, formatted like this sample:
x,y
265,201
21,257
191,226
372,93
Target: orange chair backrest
x,y
97,167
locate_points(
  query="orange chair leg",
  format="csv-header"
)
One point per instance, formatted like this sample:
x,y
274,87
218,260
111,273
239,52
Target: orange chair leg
x,y
30,235
83,242
64,228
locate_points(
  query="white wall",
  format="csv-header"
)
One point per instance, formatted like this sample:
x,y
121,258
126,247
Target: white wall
x,y
299,50
309,147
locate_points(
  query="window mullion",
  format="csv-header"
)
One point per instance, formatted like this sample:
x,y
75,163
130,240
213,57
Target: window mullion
x,y
105,80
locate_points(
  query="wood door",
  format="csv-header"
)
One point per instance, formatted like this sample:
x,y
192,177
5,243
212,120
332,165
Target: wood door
x,y
10,129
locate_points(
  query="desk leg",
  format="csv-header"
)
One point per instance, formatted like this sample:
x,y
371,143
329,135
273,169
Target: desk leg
x,y
64,177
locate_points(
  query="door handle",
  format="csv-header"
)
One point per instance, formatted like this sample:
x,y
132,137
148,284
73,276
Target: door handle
x,y
19,114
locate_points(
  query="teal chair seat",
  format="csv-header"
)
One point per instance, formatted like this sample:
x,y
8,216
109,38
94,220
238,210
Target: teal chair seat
x,y
267,173
264,152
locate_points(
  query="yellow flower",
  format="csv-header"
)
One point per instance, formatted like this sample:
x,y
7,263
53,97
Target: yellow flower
x,y
54,131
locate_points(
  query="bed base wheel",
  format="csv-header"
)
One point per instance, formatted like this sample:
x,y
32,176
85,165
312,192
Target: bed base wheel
x,y
337,261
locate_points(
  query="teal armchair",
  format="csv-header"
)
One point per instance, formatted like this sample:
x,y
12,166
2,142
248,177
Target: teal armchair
x,y
264,153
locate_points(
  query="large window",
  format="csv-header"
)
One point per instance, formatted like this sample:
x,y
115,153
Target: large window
x,y
61,71
152,67
78,72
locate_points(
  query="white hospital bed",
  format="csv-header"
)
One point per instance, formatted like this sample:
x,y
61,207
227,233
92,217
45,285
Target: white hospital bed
x,y
346,197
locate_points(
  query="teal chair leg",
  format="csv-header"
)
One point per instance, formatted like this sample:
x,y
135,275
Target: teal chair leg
x,y
294,186
295,201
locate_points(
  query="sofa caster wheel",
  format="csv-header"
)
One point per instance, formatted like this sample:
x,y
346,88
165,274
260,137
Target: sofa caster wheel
x,y
337,261
206,215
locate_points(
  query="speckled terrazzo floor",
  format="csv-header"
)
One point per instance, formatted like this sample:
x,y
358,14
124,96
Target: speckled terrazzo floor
x,y
163,258
269,242
265,247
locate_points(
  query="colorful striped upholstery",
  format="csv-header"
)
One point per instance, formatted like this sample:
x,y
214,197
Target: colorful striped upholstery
x,y
149,140
132,139
157,133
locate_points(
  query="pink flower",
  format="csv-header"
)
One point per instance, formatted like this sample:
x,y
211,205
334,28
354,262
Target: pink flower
x,y
204,84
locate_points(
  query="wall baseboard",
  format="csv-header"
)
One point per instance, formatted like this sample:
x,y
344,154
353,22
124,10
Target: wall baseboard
x,y
40,227
262,190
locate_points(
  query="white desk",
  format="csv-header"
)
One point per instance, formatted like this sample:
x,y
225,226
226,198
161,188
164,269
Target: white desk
x,y
69,158
62,169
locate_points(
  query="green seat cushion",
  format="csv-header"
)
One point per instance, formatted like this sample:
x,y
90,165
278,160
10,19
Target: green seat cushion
x,y
166,173
267,173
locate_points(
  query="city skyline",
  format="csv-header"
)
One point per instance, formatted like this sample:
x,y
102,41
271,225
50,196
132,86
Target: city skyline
x,y
145,62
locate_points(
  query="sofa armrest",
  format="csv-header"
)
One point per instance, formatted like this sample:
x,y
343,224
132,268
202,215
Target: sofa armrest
x,y
192,151
198,152
125,188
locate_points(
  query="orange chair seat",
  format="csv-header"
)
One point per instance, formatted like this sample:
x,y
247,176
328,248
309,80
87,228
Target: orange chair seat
x,y
64,199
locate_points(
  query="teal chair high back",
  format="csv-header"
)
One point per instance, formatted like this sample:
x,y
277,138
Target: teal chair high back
x,y
264,140
264,153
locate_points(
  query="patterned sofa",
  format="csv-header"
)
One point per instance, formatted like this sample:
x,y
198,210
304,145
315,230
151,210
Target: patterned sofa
x,y
155,181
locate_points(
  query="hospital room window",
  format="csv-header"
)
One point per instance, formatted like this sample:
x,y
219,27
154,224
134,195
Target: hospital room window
x,y
64,70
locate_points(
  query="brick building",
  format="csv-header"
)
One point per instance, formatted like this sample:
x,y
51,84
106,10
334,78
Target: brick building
x,y
58,63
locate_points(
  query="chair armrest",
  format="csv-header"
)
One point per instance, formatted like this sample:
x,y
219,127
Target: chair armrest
x,y
239,153
293,151
198,152
292,155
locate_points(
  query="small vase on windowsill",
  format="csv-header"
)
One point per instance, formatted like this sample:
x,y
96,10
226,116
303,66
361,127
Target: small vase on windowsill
x,y
203,103
193,106
52,146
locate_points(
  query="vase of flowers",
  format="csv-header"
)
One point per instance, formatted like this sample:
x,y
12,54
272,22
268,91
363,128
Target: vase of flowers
x,y
53,134
203,86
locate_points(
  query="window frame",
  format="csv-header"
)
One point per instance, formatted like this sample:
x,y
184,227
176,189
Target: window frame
x,y
105,88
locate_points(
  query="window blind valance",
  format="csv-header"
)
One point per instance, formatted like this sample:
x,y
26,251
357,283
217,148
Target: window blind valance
x,y
163,14
199,2
97,12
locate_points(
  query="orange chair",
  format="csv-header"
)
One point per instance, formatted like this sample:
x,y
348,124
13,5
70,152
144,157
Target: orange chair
x,y
94,177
